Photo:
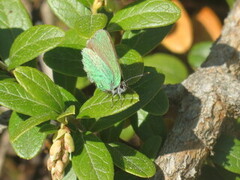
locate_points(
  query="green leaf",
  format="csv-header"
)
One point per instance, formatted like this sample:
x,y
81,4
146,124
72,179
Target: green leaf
x,y
145,14
227,153
33,42
145,40
20,129
5,75
69,112
127,132
87,124
120,175
30,142
14,19
69,173
103,104
68,98
87,3
131,160
147,87
112,134
82,82
172,67
48,129
65,81
131,63
198,54
114,5
147,125
73,39
14,97
69,11
91,159
66,61
159,105
40,86
89,24
151,147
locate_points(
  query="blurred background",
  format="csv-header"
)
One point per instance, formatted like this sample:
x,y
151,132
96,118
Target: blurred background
x,y
179,54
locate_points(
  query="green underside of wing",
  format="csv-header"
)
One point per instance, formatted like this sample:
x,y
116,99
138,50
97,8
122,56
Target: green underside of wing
x,y
101,43
99,72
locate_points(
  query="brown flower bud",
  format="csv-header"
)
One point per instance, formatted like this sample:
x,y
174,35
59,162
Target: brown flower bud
x,y
68,143
59,167
55,150
50,164
59,134
65,158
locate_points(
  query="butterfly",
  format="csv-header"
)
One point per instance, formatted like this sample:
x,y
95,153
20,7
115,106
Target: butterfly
x,y
101,63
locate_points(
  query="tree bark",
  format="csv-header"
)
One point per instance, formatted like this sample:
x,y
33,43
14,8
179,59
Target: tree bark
x,y
205,100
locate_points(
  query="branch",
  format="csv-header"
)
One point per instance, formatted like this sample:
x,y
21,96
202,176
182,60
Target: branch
x,y
208,97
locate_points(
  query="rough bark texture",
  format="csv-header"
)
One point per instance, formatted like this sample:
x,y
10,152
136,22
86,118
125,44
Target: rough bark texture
x,y
207,98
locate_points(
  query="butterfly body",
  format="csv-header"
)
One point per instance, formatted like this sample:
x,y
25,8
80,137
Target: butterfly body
x,y
101,64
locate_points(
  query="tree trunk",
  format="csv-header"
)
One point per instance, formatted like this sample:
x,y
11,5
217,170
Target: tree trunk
x,y
205,100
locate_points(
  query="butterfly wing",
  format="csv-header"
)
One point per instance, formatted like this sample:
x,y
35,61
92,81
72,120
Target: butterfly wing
x,y
97,70
101,43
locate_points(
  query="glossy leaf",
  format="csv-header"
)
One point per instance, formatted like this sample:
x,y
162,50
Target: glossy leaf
x,y
112,134
91,159
5,76
30,142
73,39
66,61
147,88
87,3
69,11
33,42
48,128
69,112
14,97
82,82
131,160
198,54
40,86
151,147
172,67
227,153
145,14
159,105
69,173
65,81
131,64
14,19
145,40
120,175
105,104
20,129
89,24
147,125
127,132
68,98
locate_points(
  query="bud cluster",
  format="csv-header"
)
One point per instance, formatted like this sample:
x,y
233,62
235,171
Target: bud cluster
x,y
59,152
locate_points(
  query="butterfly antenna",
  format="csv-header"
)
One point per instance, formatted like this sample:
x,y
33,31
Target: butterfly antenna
x,y
140,75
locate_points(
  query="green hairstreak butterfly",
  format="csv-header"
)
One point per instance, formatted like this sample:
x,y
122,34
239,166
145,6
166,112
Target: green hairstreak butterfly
x,y
101,63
